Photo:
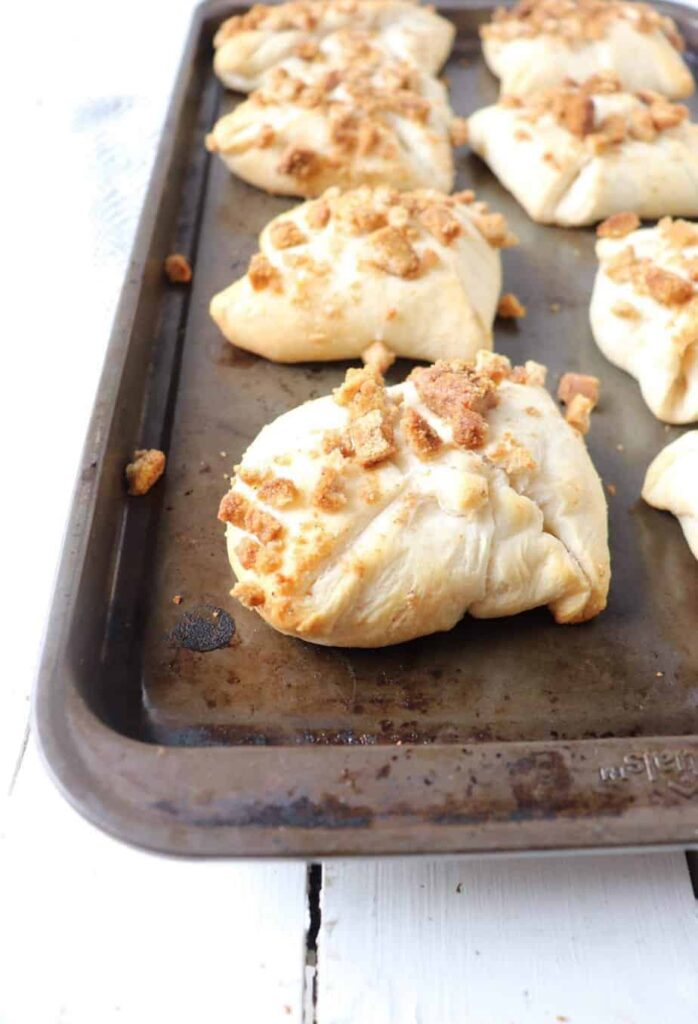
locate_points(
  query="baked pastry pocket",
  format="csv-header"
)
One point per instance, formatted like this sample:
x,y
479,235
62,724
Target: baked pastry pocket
x,y
644,310
576,154
248,45
335,119
671,483
370,271
377,514
537,44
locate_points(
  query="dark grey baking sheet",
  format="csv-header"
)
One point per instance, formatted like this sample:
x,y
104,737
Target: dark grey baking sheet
x,y
514,734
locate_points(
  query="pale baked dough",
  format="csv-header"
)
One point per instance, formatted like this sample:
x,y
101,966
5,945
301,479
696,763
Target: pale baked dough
x,y
576,154
346,116
541,43
671,483
377,515
644,311
418,271
249,45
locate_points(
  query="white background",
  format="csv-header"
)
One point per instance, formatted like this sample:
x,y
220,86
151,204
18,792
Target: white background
x,y
92,932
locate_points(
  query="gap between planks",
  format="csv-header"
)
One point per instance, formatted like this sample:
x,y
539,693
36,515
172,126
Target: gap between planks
x,y
589,939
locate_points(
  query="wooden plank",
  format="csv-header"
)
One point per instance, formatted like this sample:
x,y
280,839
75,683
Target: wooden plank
x,y
94,932
588,939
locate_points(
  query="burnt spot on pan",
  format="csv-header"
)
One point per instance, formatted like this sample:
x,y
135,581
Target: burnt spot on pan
x,y
301,813
204,628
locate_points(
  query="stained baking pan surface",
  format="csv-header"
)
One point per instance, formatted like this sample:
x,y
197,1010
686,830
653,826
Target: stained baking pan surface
x,y
194,728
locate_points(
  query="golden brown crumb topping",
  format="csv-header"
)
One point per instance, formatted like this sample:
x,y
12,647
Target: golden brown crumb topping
x,y
284,234
262,274
372,438
573,108
247,552
649,279
442,223
511,455
178,269
618,225
510,307
421,437
144,470
329,494
278,492
460,394
318,214
574,111
576,21
391,252
680,234
667,288
237,510
578,413
572,384
300,162
495,229
370,435
250,595
626,311
379,356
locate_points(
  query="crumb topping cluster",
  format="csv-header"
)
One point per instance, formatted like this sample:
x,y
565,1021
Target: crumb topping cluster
x,y
299,15
576,21
678,239
402,230
574,107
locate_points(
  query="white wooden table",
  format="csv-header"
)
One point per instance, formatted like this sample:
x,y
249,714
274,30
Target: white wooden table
x,y
92,932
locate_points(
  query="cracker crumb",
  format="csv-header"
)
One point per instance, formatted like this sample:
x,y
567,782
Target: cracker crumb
x,y
392,253
555,307
318,214
278,492
237,510
618,225
666,287
262,274
284,234
510,307
299,162
460,394
611,488
626,311
177,599
572,384
422,438
144,470
329,494
371,440
578,413
178,268
250,595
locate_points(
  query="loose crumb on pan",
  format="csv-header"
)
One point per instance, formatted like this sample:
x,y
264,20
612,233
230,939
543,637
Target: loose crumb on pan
x,y
611,488
510,307
144,470
177,599
572,384
178,268
379,356
578,413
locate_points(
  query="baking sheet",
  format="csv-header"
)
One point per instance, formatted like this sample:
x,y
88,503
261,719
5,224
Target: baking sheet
x,y
501,690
